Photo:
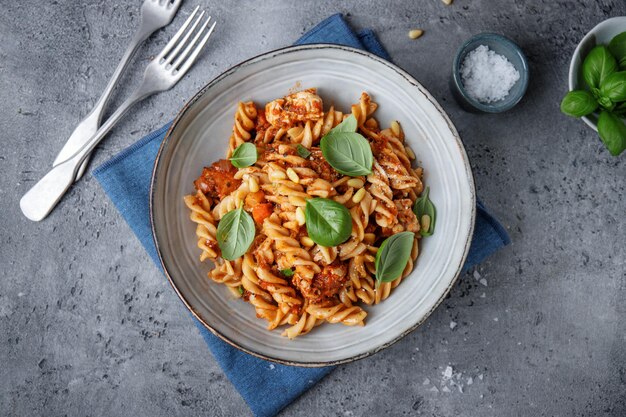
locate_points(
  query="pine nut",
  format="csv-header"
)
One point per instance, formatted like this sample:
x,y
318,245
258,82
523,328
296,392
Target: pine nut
x,y
293,176
296,201
409,152
307,241
300,216
415,33
447,2
277,175
396,129
425,222
355,182
253,184
356,199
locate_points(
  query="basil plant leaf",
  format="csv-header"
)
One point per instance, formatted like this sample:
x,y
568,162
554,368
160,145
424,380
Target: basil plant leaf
x,y
424,207
235,233
617,46
614,86
606,102
578,103
328,222
348,152
244,155
303,152
612,131
598,64
392,256
348,125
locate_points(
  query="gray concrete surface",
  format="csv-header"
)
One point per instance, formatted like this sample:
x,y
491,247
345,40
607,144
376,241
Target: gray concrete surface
x,y
88,327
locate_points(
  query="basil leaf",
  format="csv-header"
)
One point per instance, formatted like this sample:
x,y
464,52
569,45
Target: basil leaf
x,y
424,207
328,223
240,289
617,46
614,86
288,272
235,233
578,103
348,152
303,152
244,155
598,64
612,131
392,256
348,125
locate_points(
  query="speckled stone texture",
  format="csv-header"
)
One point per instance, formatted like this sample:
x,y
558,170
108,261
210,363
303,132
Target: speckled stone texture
x,y
88,326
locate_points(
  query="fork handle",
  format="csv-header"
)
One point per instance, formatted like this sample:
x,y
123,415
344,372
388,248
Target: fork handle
x,y
39,201
89,125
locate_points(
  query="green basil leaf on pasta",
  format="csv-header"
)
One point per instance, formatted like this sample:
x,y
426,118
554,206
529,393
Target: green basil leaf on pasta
x,y
303,152
235,233
348,152
348,125
244,155
288,272
426,213
328,223
240,289
392,256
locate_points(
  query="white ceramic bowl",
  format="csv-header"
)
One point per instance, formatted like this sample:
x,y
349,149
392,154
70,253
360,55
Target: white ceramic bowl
x,y
601,34
199,136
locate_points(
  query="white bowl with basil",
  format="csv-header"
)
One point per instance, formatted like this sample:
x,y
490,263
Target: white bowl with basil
x,y
200,134
597,82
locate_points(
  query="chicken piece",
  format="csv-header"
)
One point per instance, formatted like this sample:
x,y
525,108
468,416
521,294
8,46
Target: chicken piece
x,y
254,199
318,163
407,220
218,180
298,107
325,284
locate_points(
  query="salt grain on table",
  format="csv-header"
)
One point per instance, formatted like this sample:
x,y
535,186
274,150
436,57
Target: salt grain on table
x,y
447,374
487,76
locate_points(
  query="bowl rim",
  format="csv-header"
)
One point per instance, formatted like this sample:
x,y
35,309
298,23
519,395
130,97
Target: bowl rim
x,y
572,74
268,55
524,72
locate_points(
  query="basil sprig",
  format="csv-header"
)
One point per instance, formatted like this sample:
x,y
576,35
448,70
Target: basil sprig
x,y
347,151
423,206
328,223
303,152
244,155
392,256
606,92
235,233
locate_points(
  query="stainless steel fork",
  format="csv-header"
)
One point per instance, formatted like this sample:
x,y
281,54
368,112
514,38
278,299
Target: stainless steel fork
x,y
155,14
160,75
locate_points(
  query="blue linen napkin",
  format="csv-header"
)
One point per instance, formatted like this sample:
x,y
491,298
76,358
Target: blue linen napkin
x,y
266,387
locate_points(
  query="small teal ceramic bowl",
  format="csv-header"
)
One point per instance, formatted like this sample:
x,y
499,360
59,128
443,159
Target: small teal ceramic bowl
x,y
502,46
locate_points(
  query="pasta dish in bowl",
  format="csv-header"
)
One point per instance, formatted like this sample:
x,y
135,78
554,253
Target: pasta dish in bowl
x,y
309,173
312,205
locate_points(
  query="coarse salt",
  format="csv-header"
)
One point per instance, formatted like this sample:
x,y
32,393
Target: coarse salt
x,y
487,76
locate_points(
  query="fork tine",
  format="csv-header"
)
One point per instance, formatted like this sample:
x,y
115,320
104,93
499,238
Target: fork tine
x,y
180,32
191,44
183,42
183,69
